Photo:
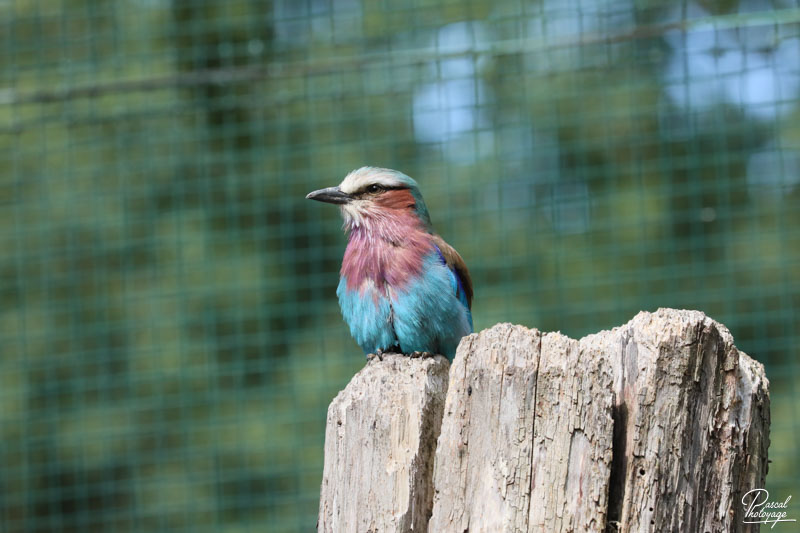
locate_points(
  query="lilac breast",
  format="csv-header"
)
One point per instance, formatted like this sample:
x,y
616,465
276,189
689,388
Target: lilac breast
x,y
393,256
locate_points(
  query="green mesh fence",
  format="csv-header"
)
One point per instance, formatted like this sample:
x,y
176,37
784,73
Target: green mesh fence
x,y
169,329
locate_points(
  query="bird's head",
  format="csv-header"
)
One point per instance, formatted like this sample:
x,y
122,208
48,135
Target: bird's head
x,y
372,195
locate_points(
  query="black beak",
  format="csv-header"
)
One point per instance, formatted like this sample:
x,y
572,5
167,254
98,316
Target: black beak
x,y
331,195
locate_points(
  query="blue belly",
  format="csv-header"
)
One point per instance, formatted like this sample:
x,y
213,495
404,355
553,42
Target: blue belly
x,y
368,313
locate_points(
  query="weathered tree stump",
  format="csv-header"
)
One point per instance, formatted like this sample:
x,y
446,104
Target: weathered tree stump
x,y
379,447
527,436
658,425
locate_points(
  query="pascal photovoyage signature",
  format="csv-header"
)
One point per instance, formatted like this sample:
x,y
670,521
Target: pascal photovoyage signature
x,y
758,509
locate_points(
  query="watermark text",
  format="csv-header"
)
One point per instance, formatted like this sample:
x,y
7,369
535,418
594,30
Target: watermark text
x,y
758,509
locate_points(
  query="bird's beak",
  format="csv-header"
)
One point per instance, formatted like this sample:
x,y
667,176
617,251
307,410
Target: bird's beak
x,y
331,195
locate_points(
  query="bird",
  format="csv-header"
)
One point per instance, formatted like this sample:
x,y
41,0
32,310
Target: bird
x,y
402,288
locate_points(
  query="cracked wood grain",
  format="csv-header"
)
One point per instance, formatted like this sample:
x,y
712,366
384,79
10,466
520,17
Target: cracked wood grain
x,y
693,424
526,438
379,447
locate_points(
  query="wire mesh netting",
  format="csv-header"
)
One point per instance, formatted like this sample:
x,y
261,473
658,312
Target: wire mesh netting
x,y
170,333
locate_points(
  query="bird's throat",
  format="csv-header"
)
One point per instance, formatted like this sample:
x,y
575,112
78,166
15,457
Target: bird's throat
x,y
385,253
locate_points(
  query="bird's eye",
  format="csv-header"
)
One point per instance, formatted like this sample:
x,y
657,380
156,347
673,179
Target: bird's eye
x,y
374,188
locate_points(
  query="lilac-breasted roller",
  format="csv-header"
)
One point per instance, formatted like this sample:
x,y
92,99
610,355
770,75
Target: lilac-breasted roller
x,y
402,288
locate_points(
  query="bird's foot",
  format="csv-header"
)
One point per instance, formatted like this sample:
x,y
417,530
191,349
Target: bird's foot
x,y
423,355
377,355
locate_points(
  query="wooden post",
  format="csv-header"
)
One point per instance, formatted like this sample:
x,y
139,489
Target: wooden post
x,y
658,425
527,436
379,447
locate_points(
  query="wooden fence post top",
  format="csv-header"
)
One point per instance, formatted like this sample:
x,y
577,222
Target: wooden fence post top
x,y
660,424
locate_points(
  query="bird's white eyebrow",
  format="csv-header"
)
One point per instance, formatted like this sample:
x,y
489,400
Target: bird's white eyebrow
x,y
356,181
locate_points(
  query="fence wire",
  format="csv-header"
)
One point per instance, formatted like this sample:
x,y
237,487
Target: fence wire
x,y
169,329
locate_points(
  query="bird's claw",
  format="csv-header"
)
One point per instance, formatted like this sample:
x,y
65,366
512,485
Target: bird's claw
x,y
377,355
423,355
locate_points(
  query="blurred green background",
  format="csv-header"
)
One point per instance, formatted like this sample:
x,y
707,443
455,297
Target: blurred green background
x,y
169,329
